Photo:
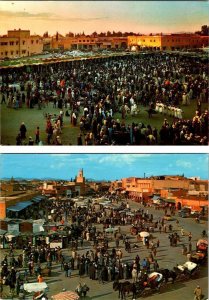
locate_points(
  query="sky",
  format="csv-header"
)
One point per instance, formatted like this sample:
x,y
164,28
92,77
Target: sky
x,y
89,16
102,166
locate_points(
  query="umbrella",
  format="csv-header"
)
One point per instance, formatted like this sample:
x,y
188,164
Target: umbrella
x,y
68,295
35,287
190,265
202,242
144,234
110,230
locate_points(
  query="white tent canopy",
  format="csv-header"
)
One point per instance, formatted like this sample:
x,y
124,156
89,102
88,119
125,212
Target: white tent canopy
x,y
35,287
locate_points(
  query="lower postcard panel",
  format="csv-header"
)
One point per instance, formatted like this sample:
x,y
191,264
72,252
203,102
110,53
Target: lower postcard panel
x,y
113,223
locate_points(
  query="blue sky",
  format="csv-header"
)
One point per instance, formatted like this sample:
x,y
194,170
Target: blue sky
x,y
76,16
102,166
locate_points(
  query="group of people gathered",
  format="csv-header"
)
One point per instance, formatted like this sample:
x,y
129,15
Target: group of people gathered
x,y
100,262
94,93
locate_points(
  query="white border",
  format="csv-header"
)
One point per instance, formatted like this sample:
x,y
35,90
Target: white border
x,y
104,149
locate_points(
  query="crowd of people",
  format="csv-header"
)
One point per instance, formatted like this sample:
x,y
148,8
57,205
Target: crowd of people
x,y
100,262
91,92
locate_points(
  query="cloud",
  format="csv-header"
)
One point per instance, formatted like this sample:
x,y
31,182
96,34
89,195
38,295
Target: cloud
x,y
60,155
184,164
57,166
46,16
121,158
25,14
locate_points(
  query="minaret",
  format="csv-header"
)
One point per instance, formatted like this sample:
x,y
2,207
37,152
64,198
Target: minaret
x,y
80,178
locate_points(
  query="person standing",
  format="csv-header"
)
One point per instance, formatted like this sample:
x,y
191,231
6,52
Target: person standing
x,y
198,293
85,289
23,131
66,269
79,289
40,278
37,134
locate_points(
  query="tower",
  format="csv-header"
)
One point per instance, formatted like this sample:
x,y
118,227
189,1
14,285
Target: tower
x,y
80,178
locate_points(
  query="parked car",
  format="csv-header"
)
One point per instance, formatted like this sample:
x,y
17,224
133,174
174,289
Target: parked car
x,y
195,214
168,218
184,214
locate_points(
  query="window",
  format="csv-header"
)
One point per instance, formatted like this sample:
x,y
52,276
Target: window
x,y
84,41
4,43
87,41
17,43
23,51
6,53
150,40
17,52
23,42
31,41
12,52
36,41
11,43
154,41
79,41
2,53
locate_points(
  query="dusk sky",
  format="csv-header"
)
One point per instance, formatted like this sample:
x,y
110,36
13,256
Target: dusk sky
x,y
88,16
103,166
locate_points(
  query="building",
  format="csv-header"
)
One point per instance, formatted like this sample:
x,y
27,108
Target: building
x,y
13,185
167,42
57,189
19,204
178,190
19,43
85,42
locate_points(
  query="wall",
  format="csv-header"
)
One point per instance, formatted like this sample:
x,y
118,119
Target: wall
x,y
2,209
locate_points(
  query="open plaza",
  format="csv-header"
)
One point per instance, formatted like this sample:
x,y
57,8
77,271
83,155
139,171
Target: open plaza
x,y
167,257
145,98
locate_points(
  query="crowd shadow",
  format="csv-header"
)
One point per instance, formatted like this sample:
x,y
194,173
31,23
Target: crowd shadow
x,y
95,297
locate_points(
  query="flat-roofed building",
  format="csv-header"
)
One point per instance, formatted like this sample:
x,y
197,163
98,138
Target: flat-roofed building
x,y
19,43
85,42
167,42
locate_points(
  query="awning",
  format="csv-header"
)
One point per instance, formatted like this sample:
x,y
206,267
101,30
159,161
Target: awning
x,y
124,192
37,199
155,197
20,206
2,232
169,200
67,295
35,287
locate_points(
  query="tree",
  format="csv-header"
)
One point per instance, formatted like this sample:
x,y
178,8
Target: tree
x,y
204,30
119,34
70,34
108,34
102,34
57,36
94,34
46,34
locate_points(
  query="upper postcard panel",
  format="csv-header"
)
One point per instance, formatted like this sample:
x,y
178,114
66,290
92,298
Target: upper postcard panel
x,y
111,73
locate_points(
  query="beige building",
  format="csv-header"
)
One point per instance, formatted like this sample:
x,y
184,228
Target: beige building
x,y
84,42
167,42
19,43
